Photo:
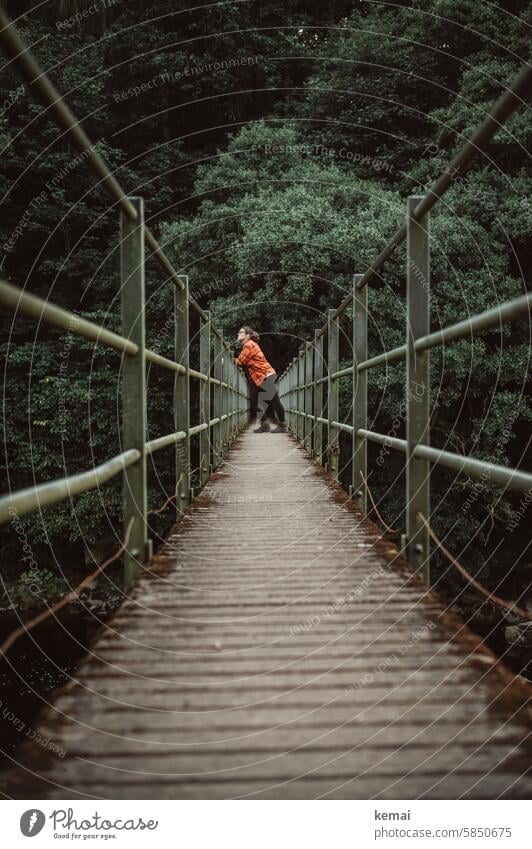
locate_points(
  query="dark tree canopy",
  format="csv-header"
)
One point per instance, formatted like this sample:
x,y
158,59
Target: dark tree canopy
x,y
274,144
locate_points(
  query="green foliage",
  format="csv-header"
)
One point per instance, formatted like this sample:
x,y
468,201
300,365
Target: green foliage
x,y
274,145
33,588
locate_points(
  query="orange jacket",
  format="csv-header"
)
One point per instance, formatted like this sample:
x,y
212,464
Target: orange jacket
x,y
255,362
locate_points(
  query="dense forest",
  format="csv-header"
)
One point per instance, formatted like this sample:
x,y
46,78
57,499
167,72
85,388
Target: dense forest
x,y
274,145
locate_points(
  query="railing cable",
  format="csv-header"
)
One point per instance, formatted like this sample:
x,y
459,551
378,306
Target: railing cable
x,y
386,526
71,596
500,602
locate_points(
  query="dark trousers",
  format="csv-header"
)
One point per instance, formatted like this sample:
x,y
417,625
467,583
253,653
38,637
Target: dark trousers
x,y
268,394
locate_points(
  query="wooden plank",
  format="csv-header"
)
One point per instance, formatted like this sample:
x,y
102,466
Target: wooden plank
x,y
231,672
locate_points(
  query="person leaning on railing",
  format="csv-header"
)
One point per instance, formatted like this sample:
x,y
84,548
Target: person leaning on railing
x,y
263,376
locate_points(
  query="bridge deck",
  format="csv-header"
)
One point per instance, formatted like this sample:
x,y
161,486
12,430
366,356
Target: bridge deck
x,y
278,648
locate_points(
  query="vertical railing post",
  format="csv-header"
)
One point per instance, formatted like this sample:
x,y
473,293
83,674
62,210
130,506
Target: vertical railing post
x,y
244,399
318,396
224,404
238,400
309,423
205,397
359,468
288,402
135,495
332,402
229,378
299,398
292,396
234,419
304,395
217,402
182,397
417,388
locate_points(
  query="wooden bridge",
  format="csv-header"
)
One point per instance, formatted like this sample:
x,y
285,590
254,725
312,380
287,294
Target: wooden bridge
x,y
277,645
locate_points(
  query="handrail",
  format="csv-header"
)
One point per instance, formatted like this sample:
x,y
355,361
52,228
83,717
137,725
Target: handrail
x,y
44,494
302,381
15,48
503,108
475,324
16,299
228,385
507,311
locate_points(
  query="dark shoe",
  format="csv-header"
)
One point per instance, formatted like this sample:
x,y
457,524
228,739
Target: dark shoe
x,y
264,428
281,428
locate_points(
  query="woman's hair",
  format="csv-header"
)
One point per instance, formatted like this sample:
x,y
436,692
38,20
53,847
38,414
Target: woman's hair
x,y
251,333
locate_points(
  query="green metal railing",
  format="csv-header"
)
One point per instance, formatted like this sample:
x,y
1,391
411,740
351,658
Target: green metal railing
x,y
302,383
223,388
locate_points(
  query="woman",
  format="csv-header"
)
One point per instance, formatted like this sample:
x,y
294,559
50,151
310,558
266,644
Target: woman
x,y
263,376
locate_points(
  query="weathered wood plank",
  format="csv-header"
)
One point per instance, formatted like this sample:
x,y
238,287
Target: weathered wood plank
x,y
278,647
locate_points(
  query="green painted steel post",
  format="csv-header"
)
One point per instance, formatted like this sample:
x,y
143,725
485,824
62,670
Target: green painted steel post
x,y
288,403
308,397
231,369
332,401
236,380
229,401
225,404
243,400
299,399
359,466
217,403
417,388
302,395
304,420
205,397
135,489
238,399
291,395
318,397
247,400
293,419
301,405
182,398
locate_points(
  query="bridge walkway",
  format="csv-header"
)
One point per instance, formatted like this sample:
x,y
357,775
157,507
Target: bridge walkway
x,y
278,647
